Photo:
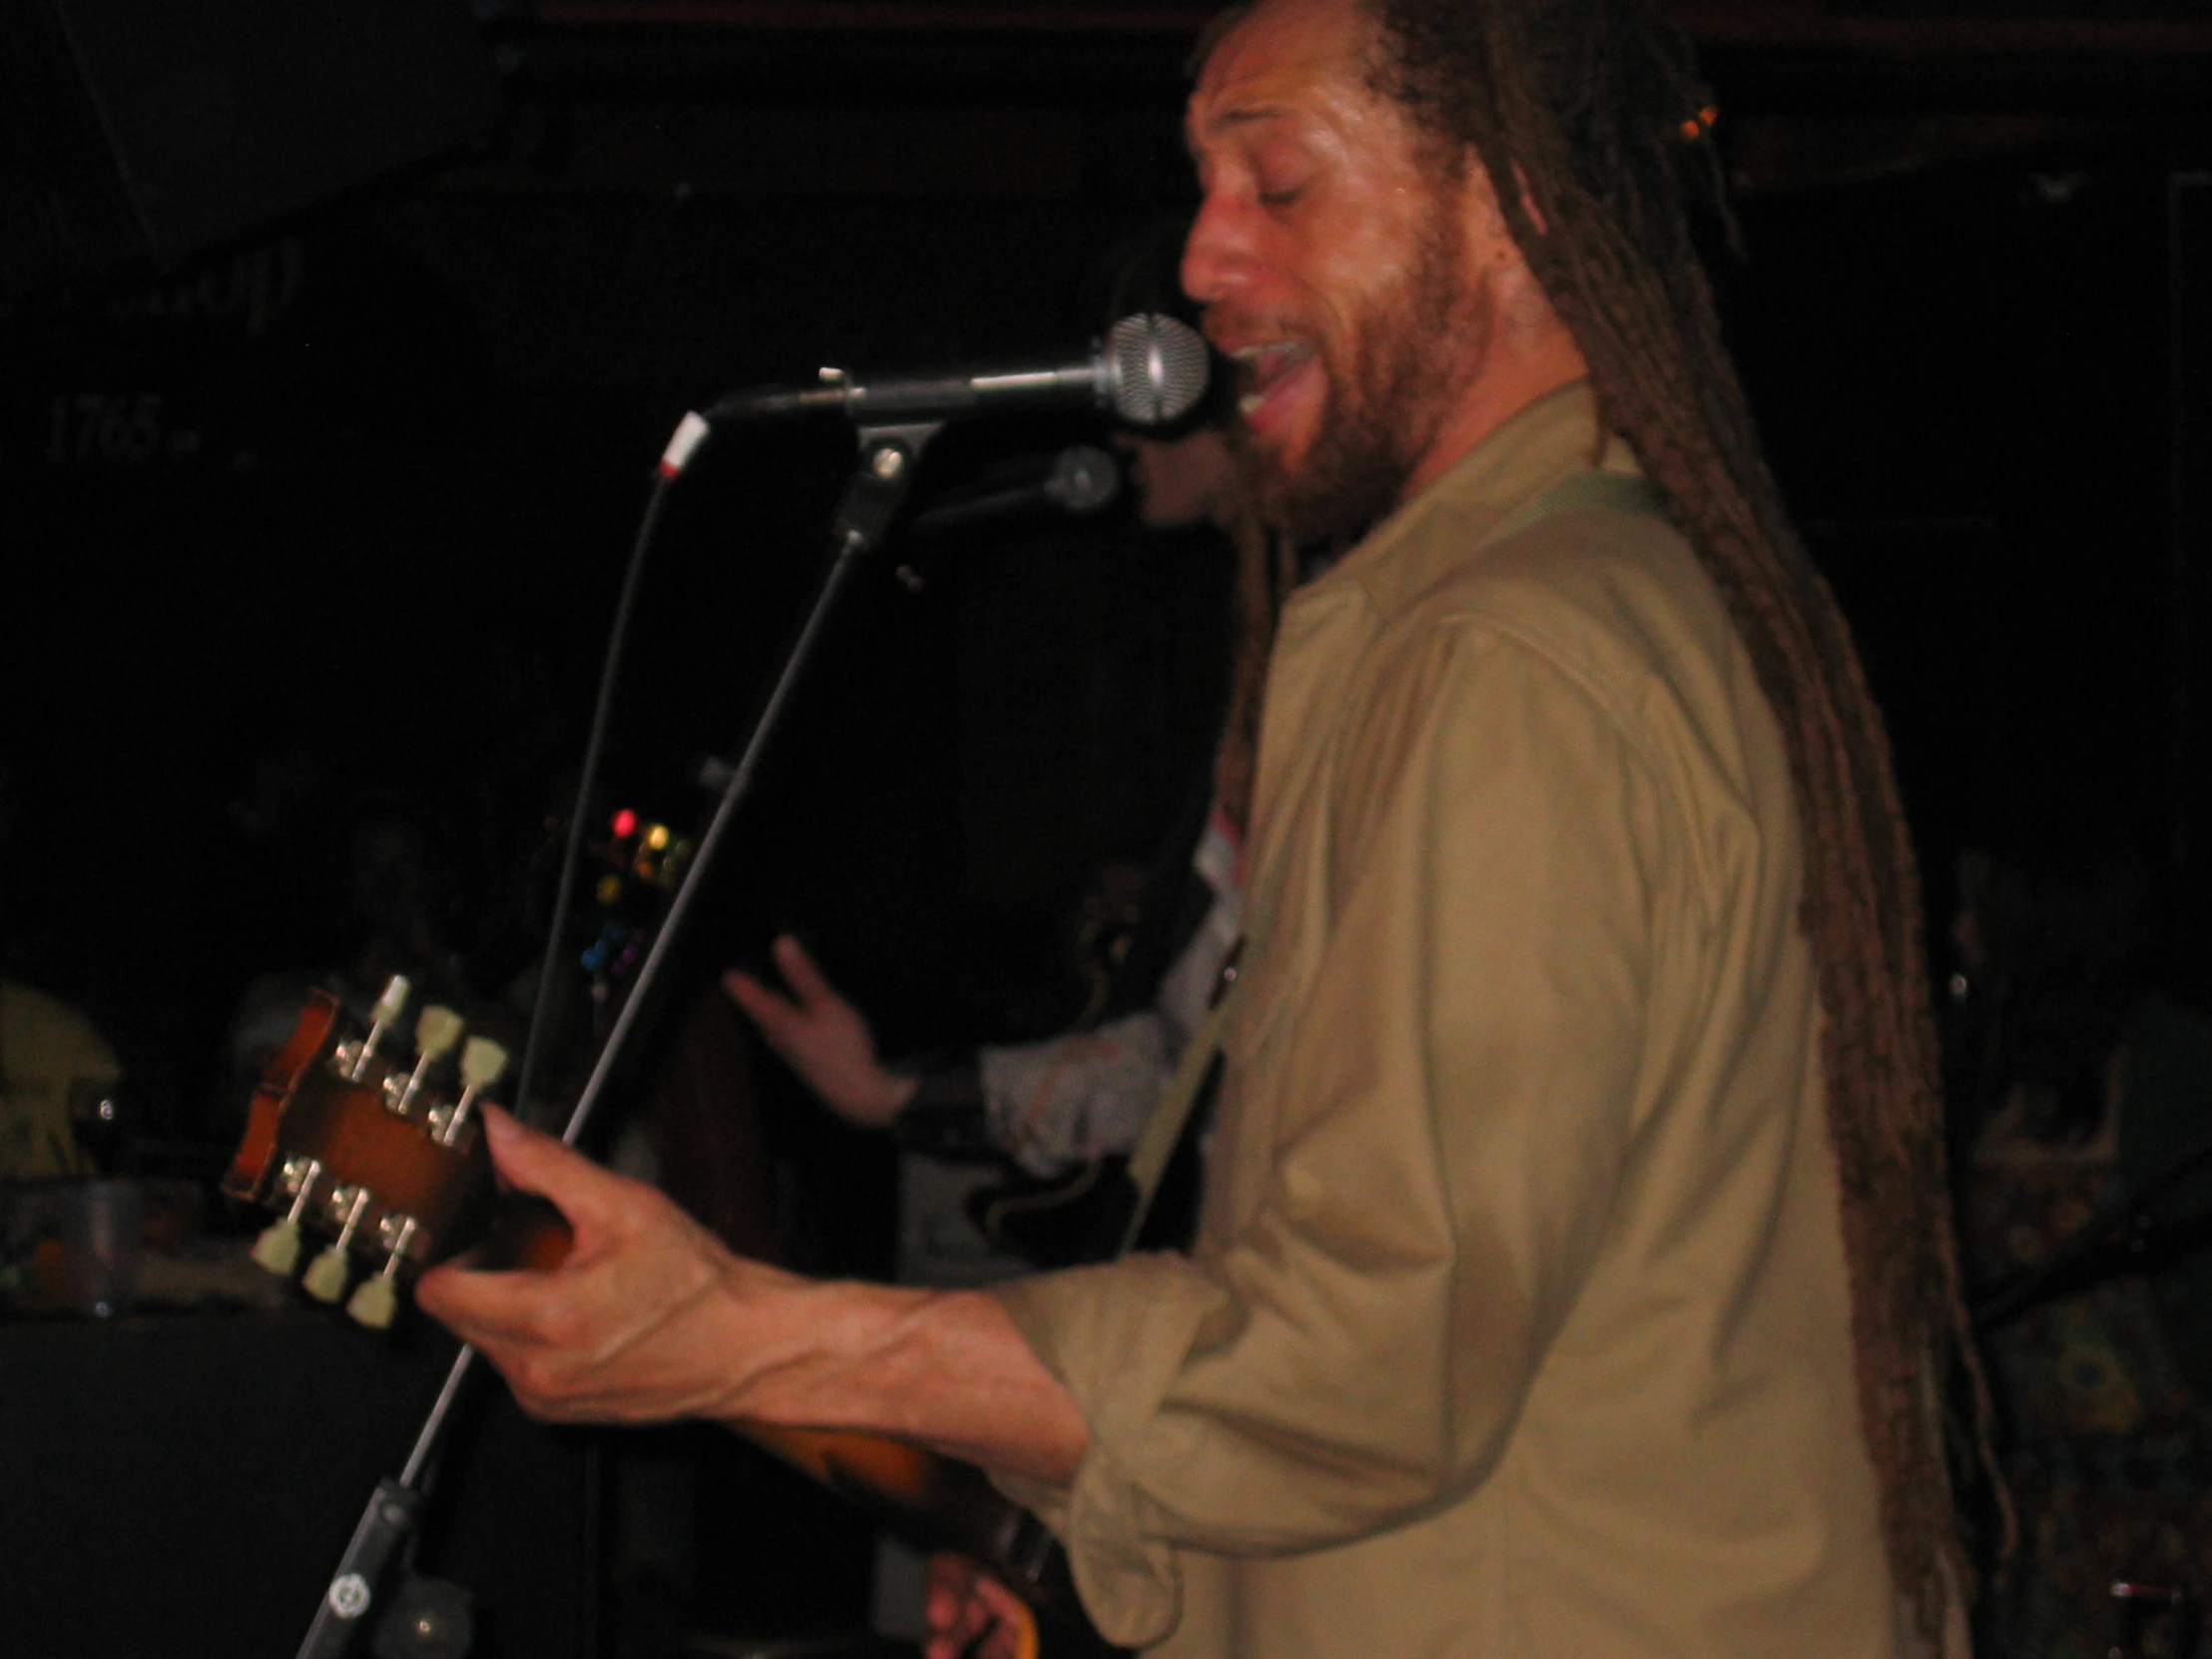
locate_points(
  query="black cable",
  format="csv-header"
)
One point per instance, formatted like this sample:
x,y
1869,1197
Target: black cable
x,y
586,787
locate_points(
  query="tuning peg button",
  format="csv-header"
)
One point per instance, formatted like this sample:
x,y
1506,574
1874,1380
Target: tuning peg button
x,y
278,1249
374,1304
353,1058
482,1060
437,1032
325,1277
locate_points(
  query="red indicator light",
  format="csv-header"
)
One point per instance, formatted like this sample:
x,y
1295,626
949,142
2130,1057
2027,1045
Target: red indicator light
x,y
626,824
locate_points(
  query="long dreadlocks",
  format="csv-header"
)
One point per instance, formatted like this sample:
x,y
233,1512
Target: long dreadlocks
x,y
1592,109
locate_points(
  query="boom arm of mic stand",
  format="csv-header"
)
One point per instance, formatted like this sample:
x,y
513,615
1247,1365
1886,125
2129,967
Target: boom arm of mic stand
x,y
875,490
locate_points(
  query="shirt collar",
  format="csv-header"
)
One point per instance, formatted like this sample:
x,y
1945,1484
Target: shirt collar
x,y
1556,435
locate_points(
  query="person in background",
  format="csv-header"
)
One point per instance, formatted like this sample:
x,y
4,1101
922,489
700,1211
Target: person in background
x,y
2081,1081
1087,1093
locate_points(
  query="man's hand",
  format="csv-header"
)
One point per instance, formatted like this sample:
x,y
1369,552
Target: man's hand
x,y
822,1037
650,1319
972,1615
635,1327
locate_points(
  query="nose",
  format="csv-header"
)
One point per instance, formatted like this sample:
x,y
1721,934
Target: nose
x,y
1216,255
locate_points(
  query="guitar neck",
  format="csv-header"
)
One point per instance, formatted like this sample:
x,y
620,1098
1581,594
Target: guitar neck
x,y
939,1502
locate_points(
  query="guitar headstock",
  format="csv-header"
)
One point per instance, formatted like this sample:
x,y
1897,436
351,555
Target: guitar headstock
x,y
372,1143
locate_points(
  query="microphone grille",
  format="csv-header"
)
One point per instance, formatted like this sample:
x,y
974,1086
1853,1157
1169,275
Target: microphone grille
x,y
1156,369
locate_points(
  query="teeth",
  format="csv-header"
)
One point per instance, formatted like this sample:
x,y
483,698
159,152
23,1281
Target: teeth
x,y
1290,349
1262,365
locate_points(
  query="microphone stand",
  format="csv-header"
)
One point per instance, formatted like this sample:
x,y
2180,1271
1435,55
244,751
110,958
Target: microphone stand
x,y
874,491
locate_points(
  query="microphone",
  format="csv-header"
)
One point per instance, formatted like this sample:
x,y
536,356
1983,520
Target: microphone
x,y
1149,370
1079,480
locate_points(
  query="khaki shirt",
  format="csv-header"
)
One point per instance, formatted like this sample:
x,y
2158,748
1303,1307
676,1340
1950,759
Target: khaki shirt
x,y
1519,1321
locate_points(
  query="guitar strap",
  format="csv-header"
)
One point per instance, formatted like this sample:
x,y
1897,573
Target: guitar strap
x,y
1163,1130
1585,491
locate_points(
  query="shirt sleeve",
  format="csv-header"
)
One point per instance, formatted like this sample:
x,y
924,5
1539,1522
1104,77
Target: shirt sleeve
x,y
1052,1104
1429,1161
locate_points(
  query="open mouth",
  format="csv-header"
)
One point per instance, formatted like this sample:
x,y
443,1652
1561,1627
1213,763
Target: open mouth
x,y
1264,372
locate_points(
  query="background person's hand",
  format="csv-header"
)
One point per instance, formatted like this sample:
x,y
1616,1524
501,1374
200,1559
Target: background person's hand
x,y
972,1615
822,1037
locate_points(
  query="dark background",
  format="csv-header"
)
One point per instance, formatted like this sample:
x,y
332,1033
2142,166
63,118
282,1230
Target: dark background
x,y
344,495
317,482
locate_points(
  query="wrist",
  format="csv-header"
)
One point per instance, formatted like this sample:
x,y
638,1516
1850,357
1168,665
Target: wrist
x,y
897,1092
815,1351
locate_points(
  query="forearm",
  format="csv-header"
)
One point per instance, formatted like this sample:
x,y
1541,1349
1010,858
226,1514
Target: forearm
x,y
946,1368
650,1319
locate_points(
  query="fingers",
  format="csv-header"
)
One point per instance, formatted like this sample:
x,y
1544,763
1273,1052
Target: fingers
x,y
533,1162
972,1616
801,973
822,1037
487,1308
1013,1632
779,1017
956,1616
630,1327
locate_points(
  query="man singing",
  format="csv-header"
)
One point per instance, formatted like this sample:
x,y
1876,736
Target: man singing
x,y
1574,1273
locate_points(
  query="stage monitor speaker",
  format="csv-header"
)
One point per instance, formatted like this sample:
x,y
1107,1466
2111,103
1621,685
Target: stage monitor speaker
x,y
135,135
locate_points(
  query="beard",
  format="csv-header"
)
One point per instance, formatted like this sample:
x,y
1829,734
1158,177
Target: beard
x,y
1381,408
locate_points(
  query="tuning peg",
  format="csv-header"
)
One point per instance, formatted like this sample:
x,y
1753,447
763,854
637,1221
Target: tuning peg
x,y
278,1249
377,1299
325,1277
482,1060
374,1304
390,1006
437,1032
391,1002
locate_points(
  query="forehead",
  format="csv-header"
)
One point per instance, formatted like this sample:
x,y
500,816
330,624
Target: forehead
x,y
1279,60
